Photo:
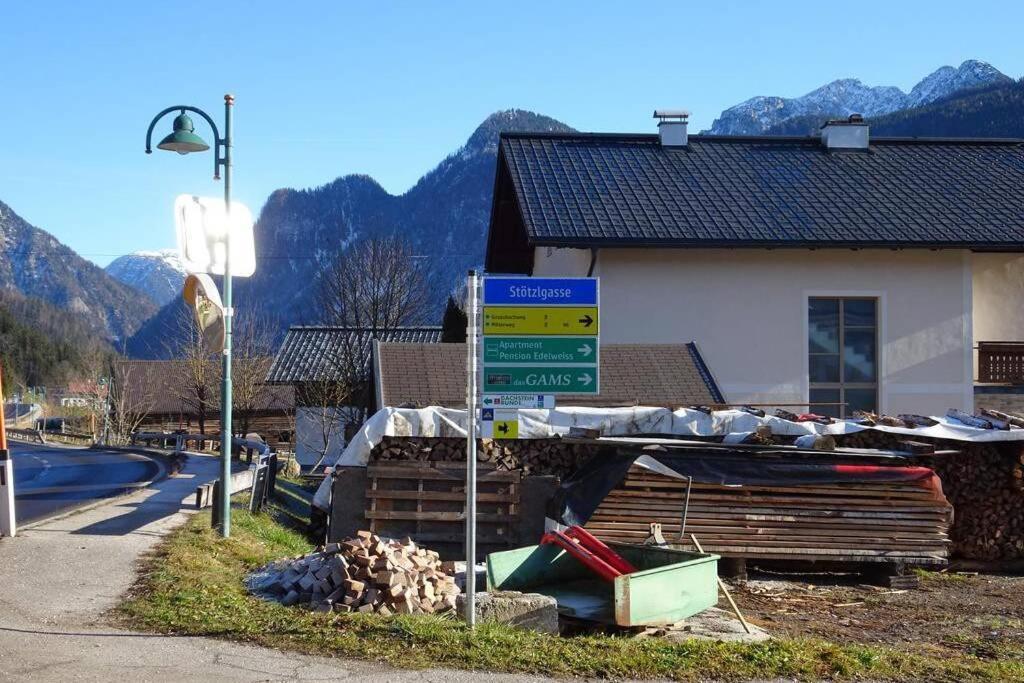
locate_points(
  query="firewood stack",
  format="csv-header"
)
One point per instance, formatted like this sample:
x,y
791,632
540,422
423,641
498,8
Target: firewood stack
x,y
532,456
985,484
366,574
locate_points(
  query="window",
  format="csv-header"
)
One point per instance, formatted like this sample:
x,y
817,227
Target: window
x,y
843,355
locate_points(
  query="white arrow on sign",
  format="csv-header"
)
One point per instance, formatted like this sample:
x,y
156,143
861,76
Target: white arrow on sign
x,y
586,379
586,350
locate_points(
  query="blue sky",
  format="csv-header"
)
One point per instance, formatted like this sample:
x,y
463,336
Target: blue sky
x,y
389,88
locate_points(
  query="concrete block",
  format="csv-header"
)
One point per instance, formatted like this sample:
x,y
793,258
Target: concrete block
x,y
529,611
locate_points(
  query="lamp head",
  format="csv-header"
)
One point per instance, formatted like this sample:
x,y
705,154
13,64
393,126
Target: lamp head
x,y
183,140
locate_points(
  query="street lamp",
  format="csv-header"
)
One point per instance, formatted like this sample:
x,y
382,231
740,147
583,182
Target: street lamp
x,y
184,140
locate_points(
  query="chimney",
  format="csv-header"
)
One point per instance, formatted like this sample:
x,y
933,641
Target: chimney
x,y
849,134
672,126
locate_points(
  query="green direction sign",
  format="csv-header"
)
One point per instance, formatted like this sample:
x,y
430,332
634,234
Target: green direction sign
x,y
540,379
540,350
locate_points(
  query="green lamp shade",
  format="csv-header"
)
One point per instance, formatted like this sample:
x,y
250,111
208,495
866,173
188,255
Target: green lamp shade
x,y
183,140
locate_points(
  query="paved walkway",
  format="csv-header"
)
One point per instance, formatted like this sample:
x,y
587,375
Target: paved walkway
x,y
59,578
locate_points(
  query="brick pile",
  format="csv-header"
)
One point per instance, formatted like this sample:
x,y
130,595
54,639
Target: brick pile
x,y
366,573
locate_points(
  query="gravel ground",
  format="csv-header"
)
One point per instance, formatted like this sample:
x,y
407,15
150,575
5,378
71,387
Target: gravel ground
x,y
949,615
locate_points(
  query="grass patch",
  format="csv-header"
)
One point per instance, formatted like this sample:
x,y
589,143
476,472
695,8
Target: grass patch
x,y
193,585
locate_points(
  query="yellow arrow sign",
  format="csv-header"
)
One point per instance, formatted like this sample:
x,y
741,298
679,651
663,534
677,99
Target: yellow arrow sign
x,y
506,429
575,320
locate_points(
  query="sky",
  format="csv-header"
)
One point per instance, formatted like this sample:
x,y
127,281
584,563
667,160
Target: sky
x,y
388,89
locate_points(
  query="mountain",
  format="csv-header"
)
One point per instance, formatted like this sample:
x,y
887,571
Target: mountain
x,y
157,274
34,263
771,114
996,111
41,344
300,232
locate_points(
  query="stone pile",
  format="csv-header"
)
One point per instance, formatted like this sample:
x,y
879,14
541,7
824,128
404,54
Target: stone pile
x,y
366,573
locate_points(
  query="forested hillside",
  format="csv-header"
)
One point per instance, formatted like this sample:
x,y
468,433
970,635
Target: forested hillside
x,y
43,345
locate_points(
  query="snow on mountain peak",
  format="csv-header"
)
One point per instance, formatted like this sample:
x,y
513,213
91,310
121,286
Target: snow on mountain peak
x,y
157,274
849,95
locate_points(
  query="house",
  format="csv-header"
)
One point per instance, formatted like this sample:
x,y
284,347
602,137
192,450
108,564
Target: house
x,y
841,270
160,396
328,368
670,375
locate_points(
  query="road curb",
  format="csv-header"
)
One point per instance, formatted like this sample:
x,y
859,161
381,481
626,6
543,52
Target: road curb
x,y
165,469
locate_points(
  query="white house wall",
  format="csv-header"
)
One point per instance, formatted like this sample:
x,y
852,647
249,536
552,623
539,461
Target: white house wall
x,y
998,293
747,311
309,435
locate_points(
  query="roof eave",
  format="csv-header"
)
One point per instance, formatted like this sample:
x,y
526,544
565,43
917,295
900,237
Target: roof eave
x,y
631,243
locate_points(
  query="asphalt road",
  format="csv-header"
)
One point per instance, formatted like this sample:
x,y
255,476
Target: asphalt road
x,y
50,479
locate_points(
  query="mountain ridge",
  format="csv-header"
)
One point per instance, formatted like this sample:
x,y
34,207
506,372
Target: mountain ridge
x,y
299,232
842,97
34,263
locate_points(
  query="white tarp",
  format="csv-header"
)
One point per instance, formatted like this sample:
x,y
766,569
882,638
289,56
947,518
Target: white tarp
x,y
541,424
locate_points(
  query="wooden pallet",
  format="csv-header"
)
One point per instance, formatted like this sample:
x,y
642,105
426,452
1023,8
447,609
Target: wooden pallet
x,y
892,522
428,503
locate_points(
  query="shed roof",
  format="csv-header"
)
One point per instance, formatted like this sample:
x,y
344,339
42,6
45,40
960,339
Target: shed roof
x,y
631,374
594,190
308,353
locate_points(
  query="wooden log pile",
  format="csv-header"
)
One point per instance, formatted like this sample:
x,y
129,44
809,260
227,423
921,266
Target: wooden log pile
x,y
365,573
862,522
531,456
985,484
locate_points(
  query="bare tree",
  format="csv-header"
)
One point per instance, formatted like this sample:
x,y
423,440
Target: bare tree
x,y
324,412
377,285
197,375
128,399
251,355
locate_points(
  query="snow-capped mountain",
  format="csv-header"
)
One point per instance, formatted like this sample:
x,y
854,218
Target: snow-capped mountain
x,y
849,95
157,274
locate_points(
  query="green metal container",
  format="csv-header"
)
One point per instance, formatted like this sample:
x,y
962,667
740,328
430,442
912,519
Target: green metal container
x,y
668,586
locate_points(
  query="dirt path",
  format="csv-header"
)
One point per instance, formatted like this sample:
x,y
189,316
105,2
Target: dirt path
x,y
949,615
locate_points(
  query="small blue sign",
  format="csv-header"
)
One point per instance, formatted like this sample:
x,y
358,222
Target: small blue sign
x,y
488,414
540,291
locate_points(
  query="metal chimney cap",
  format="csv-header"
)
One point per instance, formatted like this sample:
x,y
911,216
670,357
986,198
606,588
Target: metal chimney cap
x,y
681,114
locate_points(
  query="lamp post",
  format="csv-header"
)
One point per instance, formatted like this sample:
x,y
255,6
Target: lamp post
x,y
184,140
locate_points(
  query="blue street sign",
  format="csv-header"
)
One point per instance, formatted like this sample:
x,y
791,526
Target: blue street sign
x,y
540,291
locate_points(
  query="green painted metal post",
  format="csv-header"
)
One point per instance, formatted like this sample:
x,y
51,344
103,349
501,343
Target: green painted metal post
x,y
226,399
184,140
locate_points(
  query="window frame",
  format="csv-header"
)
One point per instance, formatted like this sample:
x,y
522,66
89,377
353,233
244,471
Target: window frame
x,y
842,385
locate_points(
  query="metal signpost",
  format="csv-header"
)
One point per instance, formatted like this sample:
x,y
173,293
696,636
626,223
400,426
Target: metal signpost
x,y
471,339
537,338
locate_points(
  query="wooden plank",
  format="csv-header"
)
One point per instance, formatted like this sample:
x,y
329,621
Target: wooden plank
x,y
481,538
392,472
871,512
797,500
785,521
410,515
440,495
852,490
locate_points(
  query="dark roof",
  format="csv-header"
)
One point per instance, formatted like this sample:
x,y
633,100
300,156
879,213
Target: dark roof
x,y
309,353
631,374
592,190
160,387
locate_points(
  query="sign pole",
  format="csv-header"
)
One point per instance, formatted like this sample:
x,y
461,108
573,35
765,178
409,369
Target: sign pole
x,y
8,524
471,391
